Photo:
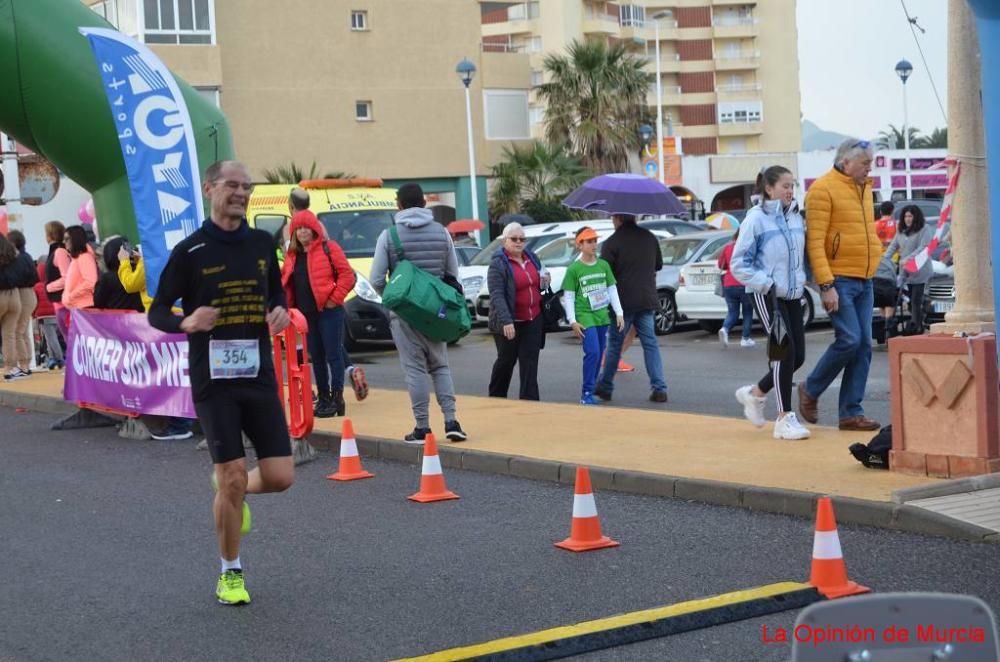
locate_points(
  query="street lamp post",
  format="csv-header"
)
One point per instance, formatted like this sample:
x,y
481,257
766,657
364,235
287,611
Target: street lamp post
x,y
666,13
466,71
903,70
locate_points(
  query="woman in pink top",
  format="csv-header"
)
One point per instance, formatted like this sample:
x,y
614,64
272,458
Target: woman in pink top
x,y
57,263
736,297
81,278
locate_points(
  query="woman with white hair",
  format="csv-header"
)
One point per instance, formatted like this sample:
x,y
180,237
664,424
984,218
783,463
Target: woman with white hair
x,y
516,279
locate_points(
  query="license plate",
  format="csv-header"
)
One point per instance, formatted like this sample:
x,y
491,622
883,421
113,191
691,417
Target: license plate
x,y
943,306
703,279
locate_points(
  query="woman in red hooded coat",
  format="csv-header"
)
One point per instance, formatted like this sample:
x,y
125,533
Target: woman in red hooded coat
x,y
317,278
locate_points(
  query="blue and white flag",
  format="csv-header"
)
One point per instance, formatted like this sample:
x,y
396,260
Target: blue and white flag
x,y
158,144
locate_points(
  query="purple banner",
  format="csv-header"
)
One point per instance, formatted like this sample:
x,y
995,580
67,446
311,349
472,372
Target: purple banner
x,y
117,360
916,164
921,181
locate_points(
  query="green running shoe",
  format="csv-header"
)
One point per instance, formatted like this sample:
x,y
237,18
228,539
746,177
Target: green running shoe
x,y
231,590
247,525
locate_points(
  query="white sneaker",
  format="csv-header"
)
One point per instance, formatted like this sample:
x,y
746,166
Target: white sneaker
x,y
788,427
724,337
748,342
753,407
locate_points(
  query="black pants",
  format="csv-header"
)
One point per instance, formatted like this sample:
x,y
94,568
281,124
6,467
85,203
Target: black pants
x,y
917,307
523,349
782,371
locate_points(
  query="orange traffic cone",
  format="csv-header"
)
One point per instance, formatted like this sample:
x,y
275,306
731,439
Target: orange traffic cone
x,y
432,487
350,462
585,532
829,572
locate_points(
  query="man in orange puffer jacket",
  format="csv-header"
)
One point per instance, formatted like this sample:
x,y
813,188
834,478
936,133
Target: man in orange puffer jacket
x,y
844,252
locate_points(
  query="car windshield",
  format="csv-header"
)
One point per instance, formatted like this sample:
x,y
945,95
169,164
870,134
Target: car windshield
x,y
679,251
483,258
356,231
558,253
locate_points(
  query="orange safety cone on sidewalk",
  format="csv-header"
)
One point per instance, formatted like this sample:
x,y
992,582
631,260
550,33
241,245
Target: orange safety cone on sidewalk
x,y
350,462
432,487
829,572
585,532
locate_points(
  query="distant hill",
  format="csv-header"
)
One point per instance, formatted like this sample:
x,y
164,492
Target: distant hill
x,y
814,138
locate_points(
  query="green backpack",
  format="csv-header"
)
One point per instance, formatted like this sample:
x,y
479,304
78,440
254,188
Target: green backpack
x,y
428,304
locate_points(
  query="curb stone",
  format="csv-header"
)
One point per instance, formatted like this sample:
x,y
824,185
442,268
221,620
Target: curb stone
x,y
893,516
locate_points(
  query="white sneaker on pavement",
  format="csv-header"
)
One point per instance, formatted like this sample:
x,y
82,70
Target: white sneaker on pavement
x,y
788,427
753,407
724,337
747,342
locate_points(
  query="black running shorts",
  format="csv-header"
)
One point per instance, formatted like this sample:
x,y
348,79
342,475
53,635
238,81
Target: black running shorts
x,y
236,408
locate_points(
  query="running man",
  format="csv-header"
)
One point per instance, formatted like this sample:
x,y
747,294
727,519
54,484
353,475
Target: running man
x,y
226,276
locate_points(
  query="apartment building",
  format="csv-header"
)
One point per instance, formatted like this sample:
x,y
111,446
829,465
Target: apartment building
x,y
367,87
729,74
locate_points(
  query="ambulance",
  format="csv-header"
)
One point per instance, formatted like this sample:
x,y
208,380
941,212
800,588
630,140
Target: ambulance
x,y
354,213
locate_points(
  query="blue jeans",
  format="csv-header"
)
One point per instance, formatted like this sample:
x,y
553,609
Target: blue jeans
x,y
851,350
595,340
326,348
643,321
736,298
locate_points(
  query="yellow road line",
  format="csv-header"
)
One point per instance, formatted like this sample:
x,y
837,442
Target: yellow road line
x,y
768,598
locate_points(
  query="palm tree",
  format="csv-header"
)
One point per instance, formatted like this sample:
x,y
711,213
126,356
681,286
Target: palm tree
x,y
937,139
596,100
293,174
893,138
533,174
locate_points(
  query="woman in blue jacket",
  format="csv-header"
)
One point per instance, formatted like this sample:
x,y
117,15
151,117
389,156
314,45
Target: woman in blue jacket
x,y
515,280
769,258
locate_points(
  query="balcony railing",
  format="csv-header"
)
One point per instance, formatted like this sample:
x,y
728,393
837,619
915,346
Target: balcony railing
x,y
487,47
729,21
738,87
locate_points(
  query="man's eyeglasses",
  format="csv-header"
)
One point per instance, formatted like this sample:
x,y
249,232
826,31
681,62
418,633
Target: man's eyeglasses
x,y
863,144
233,186
519,240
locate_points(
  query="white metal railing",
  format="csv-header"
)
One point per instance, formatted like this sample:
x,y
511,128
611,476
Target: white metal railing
x,y
731,21
487,47
668,57
738,87
743,55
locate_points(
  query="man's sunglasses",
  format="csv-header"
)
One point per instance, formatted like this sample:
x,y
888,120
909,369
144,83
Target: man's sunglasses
x,y
863,144
519,240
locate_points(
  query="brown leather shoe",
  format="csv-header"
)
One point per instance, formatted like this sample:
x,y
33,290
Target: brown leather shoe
x,y
657,396
807,405
859,424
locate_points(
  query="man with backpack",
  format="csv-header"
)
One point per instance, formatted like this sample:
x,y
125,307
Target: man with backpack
x,y
417,238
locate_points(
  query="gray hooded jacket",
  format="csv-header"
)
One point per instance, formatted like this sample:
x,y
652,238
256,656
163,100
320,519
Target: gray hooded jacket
x,y
425,242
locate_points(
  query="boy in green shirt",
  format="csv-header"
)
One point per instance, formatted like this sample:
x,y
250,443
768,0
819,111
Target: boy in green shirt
x,y
588,289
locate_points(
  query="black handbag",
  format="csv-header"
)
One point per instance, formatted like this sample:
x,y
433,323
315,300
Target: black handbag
x,y
777,339
552,309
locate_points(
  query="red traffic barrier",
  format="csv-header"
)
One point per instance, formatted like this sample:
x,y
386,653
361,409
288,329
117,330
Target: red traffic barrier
x,y
288,366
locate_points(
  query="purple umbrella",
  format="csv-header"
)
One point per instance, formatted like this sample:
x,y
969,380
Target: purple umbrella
x,y
622,193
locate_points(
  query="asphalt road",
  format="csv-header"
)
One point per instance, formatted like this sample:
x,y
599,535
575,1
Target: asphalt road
x,y
109,554
701,376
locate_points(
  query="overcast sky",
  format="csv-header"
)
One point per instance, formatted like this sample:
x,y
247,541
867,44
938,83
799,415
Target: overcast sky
x,y
848,50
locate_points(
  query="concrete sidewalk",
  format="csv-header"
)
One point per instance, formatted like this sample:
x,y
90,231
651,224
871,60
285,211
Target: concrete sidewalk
x,y
704,458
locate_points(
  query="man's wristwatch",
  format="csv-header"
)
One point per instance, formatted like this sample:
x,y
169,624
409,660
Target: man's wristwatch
x,y
826,287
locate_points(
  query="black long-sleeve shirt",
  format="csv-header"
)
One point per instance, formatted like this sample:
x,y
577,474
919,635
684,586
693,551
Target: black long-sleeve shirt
x,y
236,272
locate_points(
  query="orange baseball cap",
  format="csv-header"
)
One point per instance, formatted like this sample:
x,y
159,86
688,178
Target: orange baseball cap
x,y
585,234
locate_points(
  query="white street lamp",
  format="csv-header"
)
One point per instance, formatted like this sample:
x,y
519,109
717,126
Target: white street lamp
x,y
466,71
903,70
666,13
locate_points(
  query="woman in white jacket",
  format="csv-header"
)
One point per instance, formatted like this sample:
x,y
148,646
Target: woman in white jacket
x,y
769,258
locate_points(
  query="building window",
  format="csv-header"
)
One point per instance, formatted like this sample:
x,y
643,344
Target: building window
x,y
178,21
632,16
740,112
359,21
536,115
537,78
363,111
505,113
210,94
122,14
535,45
